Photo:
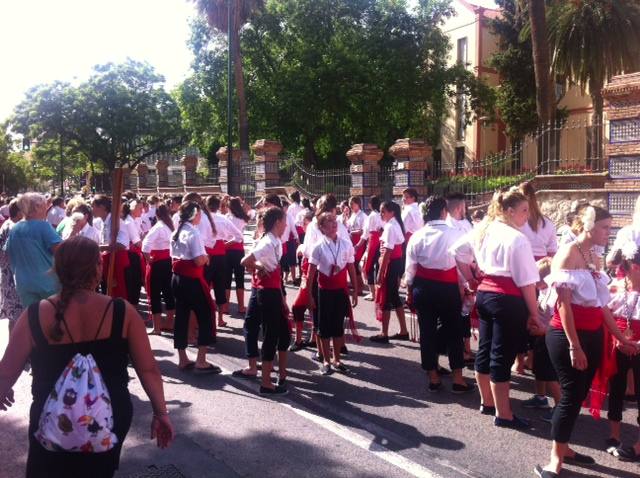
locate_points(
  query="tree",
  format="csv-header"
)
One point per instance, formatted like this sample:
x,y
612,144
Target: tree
x,y
545,84
16,173
323,74
216,12
593,40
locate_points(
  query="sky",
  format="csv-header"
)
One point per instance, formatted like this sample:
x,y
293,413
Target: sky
x,y
46,40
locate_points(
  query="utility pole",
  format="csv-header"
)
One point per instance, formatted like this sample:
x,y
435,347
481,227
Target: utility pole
x,y
61,169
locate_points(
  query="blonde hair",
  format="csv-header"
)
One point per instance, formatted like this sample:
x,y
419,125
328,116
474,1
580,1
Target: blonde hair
x,y
502,201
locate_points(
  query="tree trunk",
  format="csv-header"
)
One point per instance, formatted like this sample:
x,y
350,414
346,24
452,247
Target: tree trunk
x,y
309,155
545,91
594,158
243,118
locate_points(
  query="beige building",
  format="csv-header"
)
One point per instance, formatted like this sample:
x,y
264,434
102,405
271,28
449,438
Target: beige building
x,y
462,145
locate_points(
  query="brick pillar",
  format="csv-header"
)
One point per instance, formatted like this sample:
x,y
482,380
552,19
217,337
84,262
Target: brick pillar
x,y
223,166
190,164
143,175
162,169
410,165
266,156
364,170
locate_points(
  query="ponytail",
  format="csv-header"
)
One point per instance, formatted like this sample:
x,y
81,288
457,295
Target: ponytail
x,y
188,211
397,213
195,197
162,213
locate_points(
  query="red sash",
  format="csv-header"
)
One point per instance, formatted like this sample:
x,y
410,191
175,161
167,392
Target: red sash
x,y
537,258
339,282
235,246
396,253
218,249
585,318
272,280
635,327
359,252
381,294
285,247
300,230
407,236
119,288
156,255
188,268
372,246
449,276
500,285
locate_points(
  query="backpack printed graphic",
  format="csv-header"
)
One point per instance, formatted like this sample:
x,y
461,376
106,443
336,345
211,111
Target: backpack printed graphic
x,y
77,416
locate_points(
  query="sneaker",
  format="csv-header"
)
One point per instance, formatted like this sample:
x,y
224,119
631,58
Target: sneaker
x,y
547,415
627,453
326,370
318,357
368,297
399,336
611,445
434,387
296,347
277,390
380,339
537,401
340,367
344,350
515,423
540,473
282,381
459,388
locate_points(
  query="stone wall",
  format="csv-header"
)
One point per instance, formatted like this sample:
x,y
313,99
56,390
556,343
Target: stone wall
x,y
556,204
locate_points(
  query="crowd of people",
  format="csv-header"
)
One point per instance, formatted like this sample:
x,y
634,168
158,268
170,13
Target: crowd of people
x,y
540,298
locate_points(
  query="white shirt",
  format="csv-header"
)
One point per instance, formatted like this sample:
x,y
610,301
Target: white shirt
x,y
188,245
543,241
372,223
132,228
87,231
504,251
293,211
625,234
411,217
289,230
632,307
225,229
313,235
299,219
55,215
586,290
238,223
268,251
356,221
430,248
105,233
391,234
462,225
158,238
327,253
143,223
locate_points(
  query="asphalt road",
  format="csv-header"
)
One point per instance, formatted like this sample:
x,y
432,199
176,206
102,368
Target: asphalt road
x,y
379,420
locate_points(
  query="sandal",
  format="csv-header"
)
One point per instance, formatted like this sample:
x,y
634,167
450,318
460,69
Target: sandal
x,y
579,459
241,374
209,369
188,366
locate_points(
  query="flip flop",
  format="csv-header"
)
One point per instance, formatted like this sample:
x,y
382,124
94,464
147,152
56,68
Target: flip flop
x,y
241,374
210,369
189,366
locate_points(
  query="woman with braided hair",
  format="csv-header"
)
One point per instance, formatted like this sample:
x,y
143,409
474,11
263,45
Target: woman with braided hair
x,y
52,331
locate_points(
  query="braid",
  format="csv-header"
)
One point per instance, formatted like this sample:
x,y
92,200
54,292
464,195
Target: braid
x,y
177,233
60,308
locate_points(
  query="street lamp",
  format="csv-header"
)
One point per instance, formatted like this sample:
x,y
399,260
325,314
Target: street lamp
x,y
230,165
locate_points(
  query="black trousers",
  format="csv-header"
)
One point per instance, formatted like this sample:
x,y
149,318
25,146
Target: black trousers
x,y
133,278
265,309
333,308
435,301
618,385
503,325
394,273
190,298
161,286
574,383
234,269
542,367
373,272
216,275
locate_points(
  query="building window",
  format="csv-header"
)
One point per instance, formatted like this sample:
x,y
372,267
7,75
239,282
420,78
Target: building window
x,y
459,160
437,163
461,120
463,51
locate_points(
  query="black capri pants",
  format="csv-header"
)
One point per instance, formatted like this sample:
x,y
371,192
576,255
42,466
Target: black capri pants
x,y
438,301
265,309
133,278
542,367
190,298
234,269
575,384
216,275
160,284
333,308
394,273
373,271
503,326
618,385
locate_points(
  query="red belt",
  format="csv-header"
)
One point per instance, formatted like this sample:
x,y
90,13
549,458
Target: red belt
x,y
218,249
449,276
584,318
333,282
272,280
635,327
119,288
396,253
500,285
235,246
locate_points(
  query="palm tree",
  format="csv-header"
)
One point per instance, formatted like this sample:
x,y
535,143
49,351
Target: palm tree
x,y
593,40
217,17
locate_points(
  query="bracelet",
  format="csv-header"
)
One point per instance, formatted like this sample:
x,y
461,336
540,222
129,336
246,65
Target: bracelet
x,y
163,414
